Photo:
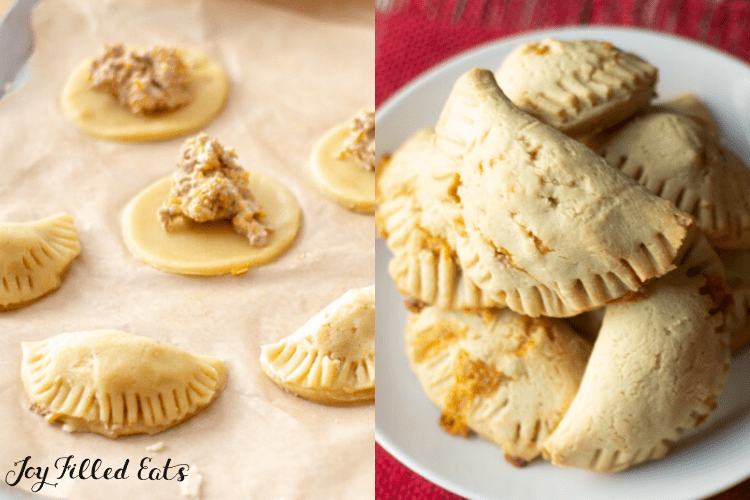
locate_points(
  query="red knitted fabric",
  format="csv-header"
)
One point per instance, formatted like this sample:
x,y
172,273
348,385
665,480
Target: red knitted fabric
x,y
420,34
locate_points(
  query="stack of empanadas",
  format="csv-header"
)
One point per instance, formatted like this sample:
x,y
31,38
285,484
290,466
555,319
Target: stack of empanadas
x,y
555,189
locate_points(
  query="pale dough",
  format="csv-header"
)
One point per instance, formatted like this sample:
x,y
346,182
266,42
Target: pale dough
x,y
331,358
100,115
342,179
209,248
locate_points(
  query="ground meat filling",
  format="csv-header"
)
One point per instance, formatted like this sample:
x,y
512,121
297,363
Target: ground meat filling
x,y
145,81
360,144
209,185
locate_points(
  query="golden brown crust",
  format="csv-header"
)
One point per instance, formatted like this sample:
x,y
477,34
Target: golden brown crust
x,y
505,376
567,232
577,86
677,159
657,369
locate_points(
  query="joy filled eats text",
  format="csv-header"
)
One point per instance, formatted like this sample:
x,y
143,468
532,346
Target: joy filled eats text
x,y
69,467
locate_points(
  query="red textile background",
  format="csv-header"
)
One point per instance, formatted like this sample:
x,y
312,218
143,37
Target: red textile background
x,y
414,35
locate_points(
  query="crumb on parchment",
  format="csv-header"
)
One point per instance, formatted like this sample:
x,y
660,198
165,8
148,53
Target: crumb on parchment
x,y
156,447
191,486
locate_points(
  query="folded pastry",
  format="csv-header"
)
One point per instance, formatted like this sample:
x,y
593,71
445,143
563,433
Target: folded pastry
x,y
331,358
677,159
657,369
737,269
115,383
689,105
546,225
577,86
507,377
417,204
33,258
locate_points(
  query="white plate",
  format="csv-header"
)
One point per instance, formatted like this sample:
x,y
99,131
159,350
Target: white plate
x,y
709,460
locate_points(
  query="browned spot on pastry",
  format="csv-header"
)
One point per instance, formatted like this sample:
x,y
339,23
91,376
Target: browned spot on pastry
x,y
473,378
460,226
716,289
630,296
537,48
414,305
575,103
434,244
435,339
453,188
516,461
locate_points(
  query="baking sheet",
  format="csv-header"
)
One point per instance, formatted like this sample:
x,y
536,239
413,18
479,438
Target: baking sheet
x,y
296,69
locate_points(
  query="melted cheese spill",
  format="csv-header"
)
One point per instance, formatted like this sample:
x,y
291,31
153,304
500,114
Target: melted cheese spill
x,y
342,179
99,114
211,248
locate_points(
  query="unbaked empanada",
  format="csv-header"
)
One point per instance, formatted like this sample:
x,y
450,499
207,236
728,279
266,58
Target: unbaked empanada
x,y
539,205
577,86
677,159
33,258
507,377
331,358
115,383
657,369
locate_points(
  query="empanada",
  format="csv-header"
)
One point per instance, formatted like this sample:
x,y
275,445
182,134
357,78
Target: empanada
x,y
737,269
417,206
657,369
114,383
691,106
677,159
546,225
33,258
507,377
577,86
331,358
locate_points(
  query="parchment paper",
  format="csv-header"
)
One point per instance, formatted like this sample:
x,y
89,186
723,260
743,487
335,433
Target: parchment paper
x,y
296,69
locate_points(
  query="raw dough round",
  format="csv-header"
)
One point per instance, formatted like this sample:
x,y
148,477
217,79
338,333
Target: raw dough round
x,y
342,179
211,248
100,115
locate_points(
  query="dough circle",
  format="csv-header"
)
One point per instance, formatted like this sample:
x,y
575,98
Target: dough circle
x,y
100,115
342,179
213,248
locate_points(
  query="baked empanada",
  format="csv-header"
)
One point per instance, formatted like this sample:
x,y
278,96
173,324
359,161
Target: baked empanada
x,y
507,377
331,358
114,383
577,86
33,258
417,205
546,225
657,369
737,269
677,159
689,105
